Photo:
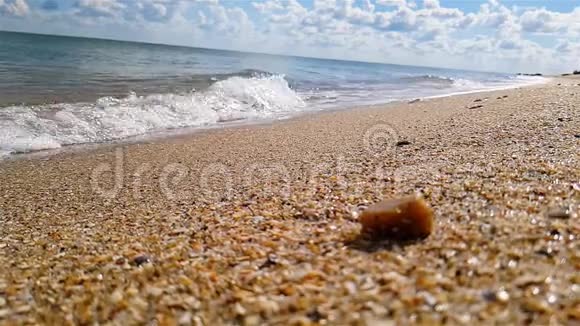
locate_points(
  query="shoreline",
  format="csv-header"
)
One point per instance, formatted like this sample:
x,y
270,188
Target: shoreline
x,y
194,130
258,224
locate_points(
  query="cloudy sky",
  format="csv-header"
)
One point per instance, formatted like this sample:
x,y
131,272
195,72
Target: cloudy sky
x,y
495,35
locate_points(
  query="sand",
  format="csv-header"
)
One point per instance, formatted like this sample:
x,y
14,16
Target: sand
x,y
258,224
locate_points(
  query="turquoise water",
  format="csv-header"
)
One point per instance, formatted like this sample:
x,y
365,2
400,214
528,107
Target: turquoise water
x,y
57,91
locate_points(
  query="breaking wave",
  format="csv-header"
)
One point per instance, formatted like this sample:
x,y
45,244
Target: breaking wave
x,y
251,95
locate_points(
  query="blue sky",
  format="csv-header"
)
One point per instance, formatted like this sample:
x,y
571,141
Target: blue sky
x,y
498,35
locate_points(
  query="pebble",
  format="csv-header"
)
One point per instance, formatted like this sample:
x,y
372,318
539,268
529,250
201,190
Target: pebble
x,y
403,218
559,213
141,259
496,296
258,219
403,143
185,319
4,313
314,315
270,261
239,309
22,309
502,296
310,213
536,305
116,296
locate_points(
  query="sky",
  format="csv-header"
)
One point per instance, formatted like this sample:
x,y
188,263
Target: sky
x,y
492,35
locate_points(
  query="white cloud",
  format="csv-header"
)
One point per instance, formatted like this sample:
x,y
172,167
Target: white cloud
x,y
571,49
494,37
18,8
403,19
356,15
99,8
493,15
539,20
431,30
431,4
514,44
153,10
394,3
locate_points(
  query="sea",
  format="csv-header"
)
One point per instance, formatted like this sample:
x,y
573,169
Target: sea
x,y
58,91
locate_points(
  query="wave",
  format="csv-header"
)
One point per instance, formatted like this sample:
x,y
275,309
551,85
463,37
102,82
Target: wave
x,y
254,95
427,78
218,98
469,83
246,73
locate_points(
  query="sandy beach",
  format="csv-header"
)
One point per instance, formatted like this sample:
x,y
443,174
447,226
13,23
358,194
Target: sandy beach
x,y
258,224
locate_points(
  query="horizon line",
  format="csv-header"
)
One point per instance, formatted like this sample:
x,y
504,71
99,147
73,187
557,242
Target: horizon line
x,y
245,52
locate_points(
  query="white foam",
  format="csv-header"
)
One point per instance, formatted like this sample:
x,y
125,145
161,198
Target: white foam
x,y
461,84
32,128
519,81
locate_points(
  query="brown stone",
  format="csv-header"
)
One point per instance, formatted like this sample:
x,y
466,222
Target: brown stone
x,y
403,218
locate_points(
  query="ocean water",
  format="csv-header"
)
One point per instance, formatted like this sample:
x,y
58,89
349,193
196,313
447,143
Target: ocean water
x,y
57,91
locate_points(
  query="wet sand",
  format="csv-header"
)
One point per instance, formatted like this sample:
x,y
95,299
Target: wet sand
x,y
258,224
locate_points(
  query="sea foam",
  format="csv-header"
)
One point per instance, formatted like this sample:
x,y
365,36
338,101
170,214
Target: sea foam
x,y
32,128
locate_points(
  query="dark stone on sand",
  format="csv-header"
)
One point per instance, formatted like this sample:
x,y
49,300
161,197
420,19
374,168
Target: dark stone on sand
x,y
577,136
270,261
415,101
489,296
403,143
141,259
314,315
546,251
475,107
478,100
500,296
